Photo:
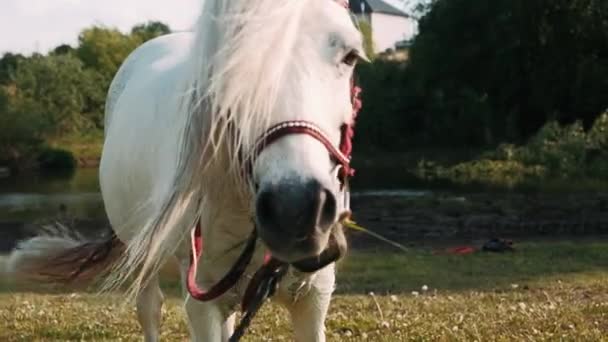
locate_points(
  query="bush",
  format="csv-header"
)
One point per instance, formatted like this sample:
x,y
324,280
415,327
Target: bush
x,y
56,159
559,152
569,151
22,134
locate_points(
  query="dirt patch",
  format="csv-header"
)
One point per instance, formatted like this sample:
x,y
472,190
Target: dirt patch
x,y
482,216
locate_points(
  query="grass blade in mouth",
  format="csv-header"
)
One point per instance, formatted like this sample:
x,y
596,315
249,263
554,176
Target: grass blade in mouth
x,y
348,223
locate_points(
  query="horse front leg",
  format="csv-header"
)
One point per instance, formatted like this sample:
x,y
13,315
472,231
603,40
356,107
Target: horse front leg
x,y
206,321
149,305
308,313
228,327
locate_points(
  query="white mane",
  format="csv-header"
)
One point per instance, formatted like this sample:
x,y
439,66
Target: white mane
x,y
238,62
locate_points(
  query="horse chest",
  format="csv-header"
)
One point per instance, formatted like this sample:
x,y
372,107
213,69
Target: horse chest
x,y
292,287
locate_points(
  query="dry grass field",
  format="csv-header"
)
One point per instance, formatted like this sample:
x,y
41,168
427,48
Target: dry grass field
x,y
546,291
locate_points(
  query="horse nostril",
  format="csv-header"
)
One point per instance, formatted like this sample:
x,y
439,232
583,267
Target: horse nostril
x,y
265,207
327,212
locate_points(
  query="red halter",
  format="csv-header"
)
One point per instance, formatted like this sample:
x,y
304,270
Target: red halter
x,y
341,155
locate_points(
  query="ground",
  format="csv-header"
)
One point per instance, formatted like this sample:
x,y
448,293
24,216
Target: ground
x,y
546,290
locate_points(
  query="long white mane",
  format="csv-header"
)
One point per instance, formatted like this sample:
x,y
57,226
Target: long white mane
x,y
241,53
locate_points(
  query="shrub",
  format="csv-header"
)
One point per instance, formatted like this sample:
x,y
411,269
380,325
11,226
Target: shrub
x,y
56,159
556,151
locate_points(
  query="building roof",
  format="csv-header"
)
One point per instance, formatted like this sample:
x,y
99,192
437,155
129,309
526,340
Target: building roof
x,y
375,6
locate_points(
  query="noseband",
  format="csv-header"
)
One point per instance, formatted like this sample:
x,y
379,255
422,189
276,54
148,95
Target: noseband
x,y
341,155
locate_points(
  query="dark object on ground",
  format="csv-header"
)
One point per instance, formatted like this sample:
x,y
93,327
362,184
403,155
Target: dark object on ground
x,y
498,246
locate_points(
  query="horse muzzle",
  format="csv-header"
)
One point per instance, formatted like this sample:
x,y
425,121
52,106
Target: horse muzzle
x,y
294,218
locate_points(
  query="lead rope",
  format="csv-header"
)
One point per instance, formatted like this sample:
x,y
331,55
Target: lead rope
x,y
263,285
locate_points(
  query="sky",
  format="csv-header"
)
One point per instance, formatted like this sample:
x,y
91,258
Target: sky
x,y
28,26
40,25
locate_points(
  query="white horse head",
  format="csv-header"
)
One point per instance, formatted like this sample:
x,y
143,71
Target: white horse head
x,y
274,62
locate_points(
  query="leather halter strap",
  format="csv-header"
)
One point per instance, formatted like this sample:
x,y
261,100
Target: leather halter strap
x,y
341,155
228,281
293,127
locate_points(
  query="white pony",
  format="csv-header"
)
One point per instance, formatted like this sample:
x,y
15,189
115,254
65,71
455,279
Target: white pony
x,y
183,119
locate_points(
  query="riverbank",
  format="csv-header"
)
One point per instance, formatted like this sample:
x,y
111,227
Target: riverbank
x,y
54,155
475,218
427,219
551,161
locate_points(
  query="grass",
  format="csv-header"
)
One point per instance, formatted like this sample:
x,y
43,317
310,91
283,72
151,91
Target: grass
x,y
545,291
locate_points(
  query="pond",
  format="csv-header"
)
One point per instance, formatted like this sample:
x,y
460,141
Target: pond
x,y
33,196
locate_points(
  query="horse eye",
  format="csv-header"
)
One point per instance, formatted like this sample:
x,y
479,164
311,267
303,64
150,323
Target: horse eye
x,y
351,58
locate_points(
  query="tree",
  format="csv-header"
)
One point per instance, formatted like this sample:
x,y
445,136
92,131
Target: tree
x,y
104,50
8,65
44,97
507,67
50,89
21,132
150,30
63,49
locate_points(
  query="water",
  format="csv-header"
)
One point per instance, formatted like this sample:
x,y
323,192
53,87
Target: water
x,y
33,196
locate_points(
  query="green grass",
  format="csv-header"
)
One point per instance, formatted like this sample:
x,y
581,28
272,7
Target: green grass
x,y
544,291
532,262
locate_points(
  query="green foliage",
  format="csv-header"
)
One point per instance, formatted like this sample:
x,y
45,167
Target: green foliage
x,y
555,152
63,49
44,99
22,131
51,89
569,151
104,50
483,73
382,123
507,173
83,146
8,65
494,71
150,30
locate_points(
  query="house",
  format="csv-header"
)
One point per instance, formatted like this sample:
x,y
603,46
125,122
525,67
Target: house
x,y
389,24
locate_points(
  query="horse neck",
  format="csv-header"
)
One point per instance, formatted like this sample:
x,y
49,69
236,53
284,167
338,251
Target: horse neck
x,y
225,212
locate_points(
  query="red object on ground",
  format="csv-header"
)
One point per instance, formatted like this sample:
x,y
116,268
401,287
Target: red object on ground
x,y
462,250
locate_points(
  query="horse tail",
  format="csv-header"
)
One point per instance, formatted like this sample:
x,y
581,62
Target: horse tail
x,y
63,256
